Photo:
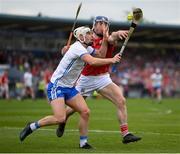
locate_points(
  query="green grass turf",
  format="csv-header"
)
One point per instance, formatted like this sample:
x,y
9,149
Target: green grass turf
x,y
157,124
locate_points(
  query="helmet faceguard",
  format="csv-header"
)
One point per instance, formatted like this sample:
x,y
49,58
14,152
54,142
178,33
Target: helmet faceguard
x,y
81,31
100,19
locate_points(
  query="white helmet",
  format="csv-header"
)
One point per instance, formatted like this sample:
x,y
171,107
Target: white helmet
x,y
81,31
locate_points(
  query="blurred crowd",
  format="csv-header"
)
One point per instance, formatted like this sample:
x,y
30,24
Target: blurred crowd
x,y
136,68
29,72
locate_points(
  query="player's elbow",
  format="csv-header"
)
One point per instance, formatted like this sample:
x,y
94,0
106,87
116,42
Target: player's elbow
x,y
92,62
89,59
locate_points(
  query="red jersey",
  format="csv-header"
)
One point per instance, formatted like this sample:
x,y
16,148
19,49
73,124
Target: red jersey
x,y
4,79
97,70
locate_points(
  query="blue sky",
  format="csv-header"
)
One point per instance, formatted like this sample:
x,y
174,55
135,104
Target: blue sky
x,y
159,11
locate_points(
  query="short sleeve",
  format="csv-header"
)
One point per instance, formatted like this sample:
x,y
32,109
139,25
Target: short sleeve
x,y
79,50
91,50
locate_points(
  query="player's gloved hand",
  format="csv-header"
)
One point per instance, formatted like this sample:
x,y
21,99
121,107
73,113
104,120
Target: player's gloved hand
x,y
116,58
64,50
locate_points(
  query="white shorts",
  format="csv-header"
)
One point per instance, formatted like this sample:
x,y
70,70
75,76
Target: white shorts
x,y
4,88
86,85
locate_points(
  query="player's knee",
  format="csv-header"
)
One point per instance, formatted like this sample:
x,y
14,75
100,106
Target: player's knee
x,y
121,102
85,113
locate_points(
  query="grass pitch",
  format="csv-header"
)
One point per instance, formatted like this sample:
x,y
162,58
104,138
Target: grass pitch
x,y
157,124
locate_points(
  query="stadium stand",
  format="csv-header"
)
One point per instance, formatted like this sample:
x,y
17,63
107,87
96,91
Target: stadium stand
x,y
32,42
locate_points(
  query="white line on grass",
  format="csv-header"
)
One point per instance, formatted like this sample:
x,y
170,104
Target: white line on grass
x,y
93,131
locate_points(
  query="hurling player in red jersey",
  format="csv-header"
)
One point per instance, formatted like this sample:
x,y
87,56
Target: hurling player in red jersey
x,y
98,78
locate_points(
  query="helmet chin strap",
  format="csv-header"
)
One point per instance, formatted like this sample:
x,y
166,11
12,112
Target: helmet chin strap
x,y
99,35
88,44
83,42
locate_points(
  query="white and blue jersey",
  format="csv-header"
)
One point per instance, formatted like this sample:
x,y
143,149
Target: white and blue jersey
x,y
156,79
66,74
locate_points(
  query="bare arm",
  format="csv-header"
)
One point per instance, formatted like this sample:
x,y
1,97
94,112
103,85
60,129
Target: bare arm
x,y
99,61
118,35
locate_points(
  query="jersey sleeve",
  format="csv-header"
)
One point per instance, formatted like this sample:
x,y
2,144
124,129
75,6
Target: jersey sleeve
x,y
91,50
79,51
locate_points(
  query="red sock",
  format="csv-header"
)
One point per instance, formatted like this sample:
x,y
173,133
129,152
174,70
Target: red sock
x,y
124,129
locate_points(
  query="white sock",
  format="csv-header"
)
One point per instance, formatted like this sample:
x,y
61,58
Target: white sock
x,y
34,126
83,140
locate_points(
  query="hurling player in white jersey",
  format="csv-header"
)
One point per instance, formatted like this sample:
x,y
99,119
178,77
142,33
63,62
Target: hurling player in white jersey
x,y
28,84
61,90
156,79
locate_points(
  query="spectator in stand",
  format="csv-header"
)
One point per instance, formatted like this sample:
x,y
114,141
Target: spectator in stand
x,y
47,76
41,86
4,84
